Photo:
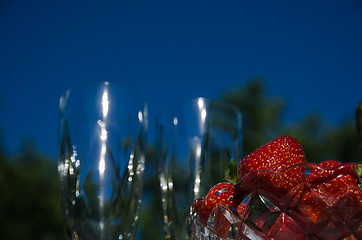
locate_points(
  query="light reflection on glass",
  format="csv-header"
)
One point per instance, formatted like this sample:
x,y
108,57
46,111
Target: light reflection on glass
x,y
103,138
163,183
203,113
105,103
77,163
140,116
102,163
175,121
103,134
200,103
130,167
198,150
71,171
197,180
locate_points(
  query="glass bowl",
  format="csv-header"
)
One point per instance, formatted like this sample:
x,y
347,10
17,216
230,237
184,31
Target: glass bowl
x,y
305,201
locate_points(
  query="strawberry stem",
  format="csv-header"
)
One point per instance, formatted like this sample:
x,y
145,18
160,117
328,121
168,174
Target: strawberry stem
x,y
231,172
358,170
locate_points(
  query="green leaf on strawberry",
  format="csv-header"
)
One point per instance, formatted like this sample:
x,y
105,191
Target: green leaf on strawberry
x,y
358,170
231,173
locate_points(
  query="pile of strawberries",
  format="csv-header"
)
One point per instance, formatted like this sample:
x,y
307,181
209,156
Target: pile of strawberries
x,y
278,195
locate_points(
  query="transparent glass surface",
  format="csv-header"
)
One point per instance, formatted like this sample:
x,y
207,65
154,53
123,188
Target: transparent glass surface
x,y
101,160
305,212
196,139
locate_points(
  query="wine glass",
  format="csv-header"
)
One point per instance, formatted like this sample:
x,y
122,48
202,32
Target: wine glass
x,y
101,160
196,140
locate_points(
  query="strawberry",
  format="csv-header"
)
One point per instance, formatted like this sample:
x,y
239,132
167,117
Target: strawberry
x,y
223,196
357,234
243,207
311,209
271,170
321,171
332,184
226,193
196,208
222,193
323,202
286,228
275,156
336,186
331,201
329,164
221,203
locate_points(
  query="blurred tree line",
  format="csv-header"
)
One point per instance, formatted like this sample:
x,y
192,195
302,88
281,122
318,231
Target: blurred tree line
x,y
263,121
29,202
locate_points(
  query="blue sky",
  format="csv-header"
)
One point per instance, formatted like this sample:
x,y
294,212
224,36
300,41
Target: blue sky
x,y
309,52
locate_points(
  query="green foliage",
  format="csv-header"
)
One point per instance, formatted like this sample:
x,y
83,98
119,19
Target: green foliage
x,y
151,219
262,122
321,142
261,114
29,203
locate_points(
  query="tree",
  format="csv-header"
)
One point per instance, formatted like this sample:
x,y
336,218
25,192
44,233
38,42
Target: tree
x,y
261,114
321,142
29,203
151,219
263,121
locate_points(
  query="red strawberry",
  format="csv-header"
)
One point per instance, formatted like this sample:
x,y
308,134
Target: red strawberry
x,y
196,206
275,156
332,184
332,198
320,172
357,234
311,209
243,207
270,170
286,228
329,164
224,218
221,195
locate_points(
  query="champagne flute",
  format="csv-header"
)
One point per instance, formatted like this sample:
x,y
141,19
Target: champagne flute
x,y
196,140
101,160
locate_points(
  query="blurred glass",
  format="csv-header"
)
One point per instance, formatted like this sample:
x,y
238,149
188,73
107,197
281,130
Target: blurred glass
x,y
196,139
101,160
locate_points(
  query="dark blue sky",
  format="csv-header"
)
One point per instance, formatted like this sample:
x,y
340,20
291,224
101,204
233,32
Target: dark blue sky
x,y
309,52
